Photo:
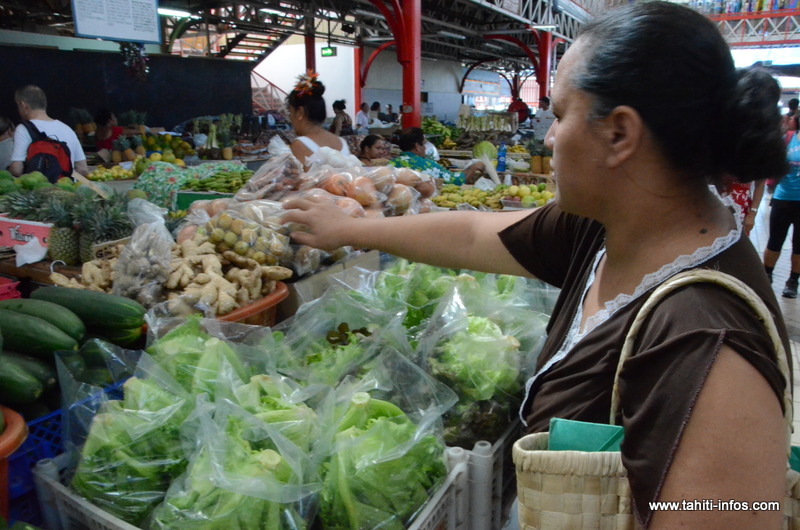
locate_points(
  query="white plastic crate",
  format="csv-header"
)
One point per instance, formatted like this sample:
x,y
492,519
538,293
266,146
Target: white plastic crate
x,y
448,508
492,481
63,509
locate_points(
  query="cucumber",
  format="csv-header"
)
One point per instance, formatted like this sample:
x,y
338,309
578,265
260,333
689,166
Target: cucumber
x,y
94,352
45,372
96,377
95,309
17,386
73,362
58,315
32,335
119,336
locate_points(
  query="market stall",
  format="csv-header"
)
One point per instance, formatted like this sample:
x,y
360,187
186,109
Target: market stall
x,y
188,289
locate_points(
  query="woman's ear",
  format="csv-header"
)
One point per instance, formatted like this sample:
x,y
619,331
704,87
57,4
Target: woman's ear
x,y
622,131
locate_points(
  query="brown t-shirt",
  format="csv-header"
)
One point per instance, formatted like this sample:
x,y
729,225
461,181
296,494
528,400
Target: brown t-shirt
x,y
673,353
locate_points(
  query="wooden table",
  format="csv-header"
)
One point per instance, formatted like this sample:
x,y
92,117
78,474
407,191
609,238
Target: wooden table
x,y
38,272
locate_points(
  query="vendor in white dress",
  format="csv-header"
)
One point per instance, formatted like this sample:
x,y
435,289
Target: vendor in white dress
x,y
307,113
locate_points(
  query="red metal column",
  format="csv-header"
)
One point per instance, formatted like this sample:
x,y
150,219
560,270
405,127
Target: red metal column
x,y
545,62
411,60
311,57
358,53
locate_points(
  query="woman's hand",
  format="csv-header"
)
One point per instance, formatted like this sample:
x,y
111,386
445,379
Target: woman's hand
x,y
749,222
327,224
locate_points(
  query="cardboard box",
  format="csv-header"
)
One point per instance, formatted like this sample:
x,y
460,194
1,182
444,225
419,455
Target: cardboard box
x,y
18,231
311,287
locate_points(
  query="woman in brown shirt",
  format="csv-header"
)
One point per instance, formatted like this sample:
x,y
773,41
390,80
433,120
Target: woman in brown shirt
x,y
701,396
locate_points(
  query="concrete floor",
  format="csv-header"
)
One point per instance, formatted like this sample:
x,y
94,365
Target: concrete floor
x,y
789,306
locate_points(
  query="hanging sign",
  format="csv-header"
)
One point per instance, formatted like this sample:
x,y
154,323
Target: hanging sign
x,y
328,51
119,20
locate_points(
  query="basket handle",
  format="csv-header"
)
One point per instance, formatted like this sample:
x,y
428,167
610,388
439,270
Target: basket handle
x,y
737,287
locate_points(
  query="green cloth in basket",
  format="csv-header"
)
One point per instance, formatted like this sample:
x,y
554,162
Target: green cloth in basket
x,y
794,458
570,435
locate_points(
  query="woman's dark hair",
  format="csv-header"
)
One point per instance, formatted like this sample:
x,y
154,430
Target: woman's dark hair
x,y
673,67
410,137
339,105
102,117
375,106
311,101
5,124
793,104
369,141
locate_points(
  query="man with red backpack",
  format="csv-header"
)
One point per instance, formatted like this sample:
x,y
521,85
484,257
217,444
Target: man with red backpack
x,y
42,143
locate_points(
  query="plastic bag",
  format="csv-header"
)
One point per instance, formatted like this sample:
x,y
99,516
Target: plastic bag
x,y
200,354
333,337
143,266
327,157
245,474
474,344
134,446
388,455
276,178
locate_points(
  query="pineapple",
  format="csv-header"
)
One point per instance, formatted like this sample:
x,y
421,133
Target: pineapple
x,y
24,204
138,145
116,151
82,211
62,244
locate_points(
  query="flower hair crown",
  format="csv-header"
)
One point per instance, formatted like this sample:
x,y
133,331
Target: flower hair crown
x,y
306,83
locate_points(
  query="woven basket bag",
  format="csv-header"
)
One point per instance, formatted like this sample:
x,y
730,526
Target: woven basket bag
x,y
563,490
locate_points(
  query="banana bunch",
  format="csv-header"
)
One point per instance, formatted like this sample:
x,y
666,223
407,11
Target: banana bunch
x,y
517,149
222,182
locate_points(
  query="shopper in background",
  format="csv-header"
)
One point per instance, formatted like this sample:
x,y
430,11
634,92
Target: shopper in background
x,y
32,106
6,142
374,111
785,213
362,117
389,116
342,122
374,151
413,156
108,130
521,108
307,114
747,196
791,120
543,119
701,396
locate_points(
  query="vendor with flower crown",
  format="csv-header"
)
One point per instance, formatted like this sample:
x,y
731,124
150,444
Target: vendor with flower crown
x,y
307,113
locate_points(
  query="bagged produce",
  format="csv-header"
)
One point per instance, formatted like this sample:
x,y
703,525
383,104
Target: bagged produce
x,y
388,455
245,474
134,448
276,178
333,337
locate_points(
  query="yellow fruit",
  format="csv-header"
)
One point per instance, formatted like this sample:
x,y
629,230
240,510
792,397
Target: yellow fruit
x,y
155,157
180,163
524,191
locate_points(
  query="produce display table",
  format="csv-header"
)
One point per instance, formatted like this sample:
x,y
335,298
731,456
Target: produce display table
x,y
38,272
447,153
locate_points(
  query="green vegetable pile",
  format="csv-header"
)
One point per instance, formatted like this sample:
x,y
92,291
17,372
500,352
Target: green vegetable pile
x,y
205,438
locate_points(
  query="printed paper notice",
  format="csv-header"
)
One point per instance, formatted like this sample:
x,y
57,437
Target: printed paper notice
x,y
124,20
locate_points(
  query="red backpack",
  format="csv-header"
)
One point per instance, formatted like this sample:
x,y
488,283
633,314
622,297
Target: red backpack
x,y
47,155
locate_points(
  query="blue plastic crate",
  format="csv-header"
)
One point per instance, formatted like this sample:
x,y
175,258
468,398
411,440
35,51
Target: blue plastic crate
x,y
44,441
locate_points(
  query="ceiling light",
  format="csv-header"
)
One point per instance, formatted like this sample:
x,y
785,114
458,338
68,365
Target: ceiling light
x,y
450,34
545,27
271,11
492,46
165,11
377,39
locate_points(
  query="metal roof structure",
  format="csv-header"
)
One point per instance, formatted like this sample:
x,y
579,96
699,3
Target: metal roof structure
x,y
250,30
